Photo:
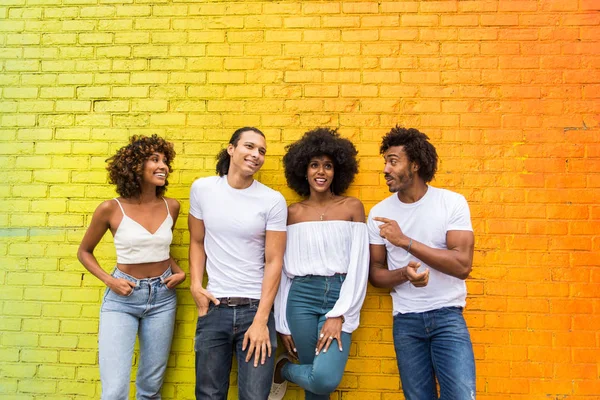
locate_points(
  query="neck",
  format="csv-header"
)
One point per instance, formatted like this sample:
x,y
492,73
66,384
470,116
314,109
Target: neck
x,y
413,193
239,181
148,194
320,198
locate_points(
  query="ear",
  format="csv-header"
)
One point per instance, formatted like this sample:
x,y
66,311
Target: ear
x,y
415,167
230,149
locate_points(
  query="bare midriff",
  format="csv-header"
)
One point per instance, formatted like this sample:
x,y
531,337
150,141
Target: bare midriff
x,y
145,270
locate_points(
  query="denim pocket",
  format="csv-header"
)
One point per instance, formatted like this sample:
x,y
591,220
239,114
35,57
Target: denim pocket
x,y
454,310
211,308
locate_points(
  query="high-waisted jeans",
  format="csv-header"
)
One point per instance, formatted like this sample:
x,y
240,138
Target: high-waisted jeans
x,y
150,312
310,298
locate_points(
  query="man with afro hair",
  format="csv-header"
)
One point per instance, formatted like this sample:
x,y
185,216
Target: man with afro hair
x,y
421,247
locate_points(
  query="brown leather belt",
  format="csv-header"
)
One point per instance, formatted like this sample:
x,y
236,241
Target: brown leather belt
x,y
236,301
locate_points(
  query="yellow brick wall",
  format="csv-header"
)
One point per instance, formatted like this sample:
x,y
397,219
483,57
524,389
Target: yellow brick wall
x,y
508,90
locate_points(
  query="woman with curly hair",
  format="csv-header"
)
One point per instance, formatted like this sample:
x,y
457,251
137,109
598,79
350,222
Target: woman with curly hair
x,y
326,265
140,295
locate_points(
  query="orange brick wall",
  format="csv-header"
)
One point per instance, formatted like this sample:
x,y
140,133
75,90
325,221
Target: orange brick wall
x,y
508,90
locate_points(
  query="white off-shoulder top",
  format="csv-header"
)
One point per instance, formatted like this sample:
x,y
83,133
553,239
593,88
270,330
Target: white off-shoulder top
x,y
326,248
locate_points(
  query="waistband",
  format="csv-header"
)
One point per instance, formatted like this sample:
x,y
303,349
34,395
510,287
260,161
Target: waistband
x,y
117,273
323,277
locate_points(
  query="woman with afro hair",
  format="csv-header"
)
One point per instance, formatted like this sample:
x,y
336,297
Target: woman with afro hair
x,y
326,265
139,299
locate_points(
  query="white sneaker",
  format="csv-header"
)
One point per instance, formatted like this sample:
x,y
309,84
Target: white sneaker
x,y
278,389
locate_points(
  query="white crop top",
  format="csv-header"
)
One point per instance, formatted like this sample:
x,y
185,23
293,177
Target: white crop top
x,y
135,245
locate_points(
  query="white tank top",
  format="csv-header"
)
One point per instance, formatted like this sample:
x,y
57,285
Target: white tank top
x,y
135,245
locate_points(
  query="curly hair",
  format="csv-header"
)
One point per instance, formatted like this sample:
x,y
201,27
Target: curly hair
x,y
223,157
126,167
417,147
315,143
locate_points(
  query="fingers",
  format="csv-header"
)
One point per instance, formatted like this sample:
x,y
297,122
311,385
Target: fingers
x,y
250,349
382,219
212,298
169,282
290,346
417,279
326,340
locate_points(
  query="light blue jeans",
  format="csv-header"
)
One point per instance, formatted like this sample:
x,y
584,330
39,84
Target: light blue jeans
x,y
435,344
310,298
150,312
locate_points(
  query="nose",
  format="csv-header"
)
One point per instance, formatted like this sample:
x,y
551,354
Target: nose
x,y
386,168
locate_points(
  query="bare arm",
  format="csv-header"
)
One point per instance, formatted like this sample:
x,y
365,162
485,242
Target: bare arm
x,y
379,274
178,274
456,260
98,227
257,336
197,258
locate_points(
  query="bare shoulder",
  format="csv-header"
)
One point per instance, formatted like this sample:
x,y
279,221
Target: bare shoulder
x,y
356,208
294,211
105,212
174,205
106,208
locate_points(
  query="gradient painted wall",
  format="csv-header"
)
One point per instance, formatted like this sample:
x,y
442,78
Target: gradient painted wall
x,y
508,91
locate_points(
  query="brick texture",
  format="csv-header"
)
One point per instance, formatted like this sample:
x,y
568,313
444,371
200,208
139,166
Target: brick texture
x,y
508,91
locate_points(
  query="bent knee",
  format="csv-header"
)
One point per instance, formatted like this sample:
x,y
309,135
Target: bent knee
x,y
324,384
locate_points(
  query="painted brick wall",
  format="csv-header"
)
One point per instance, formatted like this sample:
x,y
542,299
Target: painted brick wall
x,y
508,90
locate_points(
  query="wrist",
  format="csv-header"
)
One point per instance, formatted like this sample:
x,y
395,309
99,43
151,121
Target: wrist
x,y
259,319
109,280
341,317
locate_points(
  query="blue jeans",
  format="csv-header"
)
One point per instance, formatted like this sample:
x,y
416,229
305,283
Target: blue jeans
x,y
150,312
310,298
220,334
435,344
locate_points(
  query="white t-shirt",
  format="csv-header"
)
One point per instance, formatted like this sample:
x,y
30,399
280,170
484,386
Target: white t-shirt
x,y
236,221
426,221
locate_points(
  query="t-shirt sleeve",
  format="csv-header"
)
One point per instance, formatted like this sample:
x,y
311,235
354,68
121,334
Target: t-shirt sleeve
x,y
373,227
195,208
460,219
277,218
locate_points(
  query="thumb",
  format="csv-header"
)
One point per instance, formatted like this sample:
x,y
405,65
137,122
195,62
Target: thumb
x,y
212,298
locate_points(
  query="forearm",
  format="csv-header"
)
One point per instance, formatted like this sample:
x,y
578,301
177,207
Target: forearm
x,y
175,268
381,277
91,264
270,286
197,260
450,262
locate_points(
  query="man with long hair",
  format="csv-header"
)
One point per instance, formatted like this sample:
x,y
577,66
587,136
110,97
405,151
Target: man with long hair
x,y
237,233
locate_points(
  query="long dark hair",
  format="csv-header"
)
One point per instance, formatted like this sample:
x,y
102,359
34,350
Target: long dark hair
x,y
223,158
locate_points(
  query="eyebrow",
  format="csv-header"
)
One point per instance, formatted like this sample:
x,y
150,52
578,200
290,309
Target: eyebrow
x,y
254,144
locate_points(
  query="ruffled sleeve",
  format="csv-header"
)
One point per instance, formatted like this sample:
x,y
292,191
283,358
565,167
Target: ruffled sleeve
x,y
280,305
354,287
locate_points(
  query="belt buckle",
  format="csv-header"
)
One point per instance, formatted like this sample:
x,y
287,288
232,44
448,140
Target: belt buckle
x,y
235,301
